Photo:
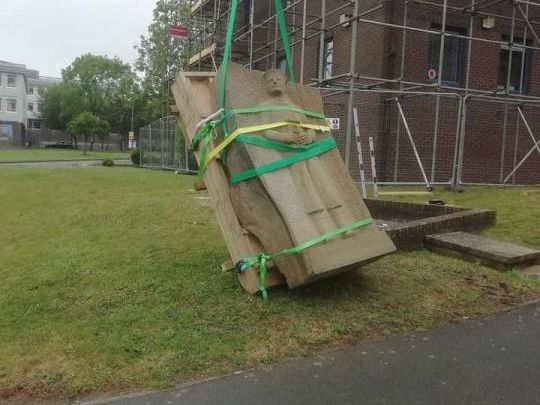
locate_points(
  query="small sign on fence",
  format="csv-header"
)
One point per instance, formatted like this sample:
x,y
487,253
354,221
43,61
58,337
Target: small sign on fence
x,y
132,143
334,123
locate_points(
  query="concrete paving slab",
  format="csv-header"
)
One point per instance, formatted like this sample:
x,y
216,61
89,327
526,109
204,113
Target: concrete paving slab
x,y
484,248
532,272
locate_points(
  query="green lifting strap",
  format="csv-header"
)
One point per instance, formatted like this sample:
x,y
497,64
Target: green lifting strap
x,y
210,126
284,37
271,108
205,134
262,259
227,53
309,151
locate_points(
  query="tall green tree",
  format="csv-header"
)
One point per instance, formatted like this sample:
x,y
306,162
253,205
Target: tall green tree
x,y
160,56
109,86
106,87
90,127
60,104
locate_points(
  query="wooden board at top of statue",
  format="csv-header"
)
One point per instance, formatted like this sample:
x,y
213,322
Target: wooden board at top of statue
x,y
298,203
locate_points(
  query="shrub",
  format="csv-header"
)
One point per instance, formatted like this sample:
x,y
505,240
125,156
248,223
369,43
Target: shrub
x,y
136,156
108,162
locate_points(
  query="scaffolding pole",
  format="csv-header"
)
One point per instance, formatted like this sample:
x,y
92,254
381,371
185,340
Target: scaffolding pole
x,y
354,39
317,24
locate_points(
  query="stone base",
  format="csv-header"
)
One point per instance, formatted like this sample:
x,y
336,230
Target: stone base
x,y
493,253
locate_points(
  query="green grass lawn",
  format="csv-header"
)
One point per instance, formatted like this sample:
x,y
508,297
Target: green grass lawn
x,y
111,281
36,154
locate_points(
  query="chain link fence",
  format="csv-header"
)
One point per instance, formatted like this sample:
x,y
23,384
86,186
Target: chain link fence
x,y
424,139
439,139
162,146
500,142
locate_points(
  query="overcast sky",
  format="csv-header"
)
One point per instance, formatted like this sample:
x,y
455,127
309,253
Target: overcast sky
x,y
48,35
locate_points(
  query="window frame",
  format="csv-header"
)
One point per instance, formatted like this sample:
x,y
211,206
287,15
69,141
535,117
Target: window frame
x,y
328,40
281,64
8,102
525,53
14,76
436,39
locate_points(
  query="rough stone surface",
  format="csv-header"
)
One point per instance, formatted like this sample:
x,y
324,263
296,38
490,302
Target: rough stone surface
x,y
503,253
297,203
532,272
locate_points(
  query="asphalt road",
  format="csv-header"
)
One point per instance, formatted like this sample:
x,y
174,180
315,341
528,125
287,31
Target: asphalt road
x,y
490,361
62,163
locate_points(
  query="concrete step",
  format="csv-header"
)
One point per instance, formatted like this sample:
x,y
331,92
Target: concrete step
x,y
532,272
491,252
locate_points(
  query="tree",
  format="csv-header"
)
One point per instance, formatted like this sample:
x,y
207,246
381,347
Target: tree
x,y
89,126
101,130
109,86
99,78
60,104
160,56
106,87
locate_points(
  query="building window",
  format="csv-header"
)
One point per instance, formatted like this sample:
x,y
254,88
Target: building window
x,y
12,80
37,107
520,59
11,105
6,132
30,107
328,58
282,64
454,50
30,90
34,124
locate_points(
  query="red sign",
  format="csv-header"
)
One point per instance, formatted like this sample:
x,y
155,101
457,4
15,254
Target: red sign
x,y
179,31
432,74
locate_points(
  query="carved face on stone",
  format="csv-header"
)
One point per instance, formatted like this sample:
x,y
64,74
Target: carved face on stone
x,y
276,82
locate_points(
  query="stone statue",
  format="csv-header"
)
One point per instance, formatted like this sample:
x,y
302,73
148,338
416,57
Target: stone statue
x,y
319,196
298,203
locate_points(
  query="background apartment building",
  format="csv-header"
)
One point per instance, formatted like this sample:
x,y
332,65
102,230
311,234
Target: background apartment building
x,y
449,90
20,101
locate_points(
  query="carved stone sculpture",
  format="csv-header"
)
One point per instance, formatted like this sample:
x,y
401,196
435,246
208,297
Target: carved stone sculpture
x,y
300,202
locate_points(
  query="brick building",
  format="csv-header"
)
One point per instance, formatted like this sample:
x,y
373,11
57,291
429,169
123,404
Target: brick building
x,y
472,110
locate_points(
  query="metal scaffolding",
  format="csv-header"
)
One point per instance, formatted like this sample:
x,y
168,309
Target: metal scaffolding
x,y
396,100
162,146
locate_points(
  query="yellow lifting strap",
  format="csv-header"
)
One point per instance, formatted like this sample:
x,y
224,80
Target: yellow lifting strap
x,y
253,129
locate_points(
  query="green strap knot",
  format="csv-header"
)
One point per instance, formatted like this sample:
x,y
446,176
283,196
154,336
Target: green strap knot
x,y
262,259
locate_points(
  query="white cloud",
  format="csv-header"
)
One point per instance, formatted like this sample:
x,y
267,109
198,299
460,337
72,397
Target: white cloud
x,y
48,35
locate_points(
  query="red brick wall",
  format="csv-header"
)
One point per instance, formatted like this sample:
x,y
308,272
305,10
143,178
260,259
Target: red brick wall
x,y
379,54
